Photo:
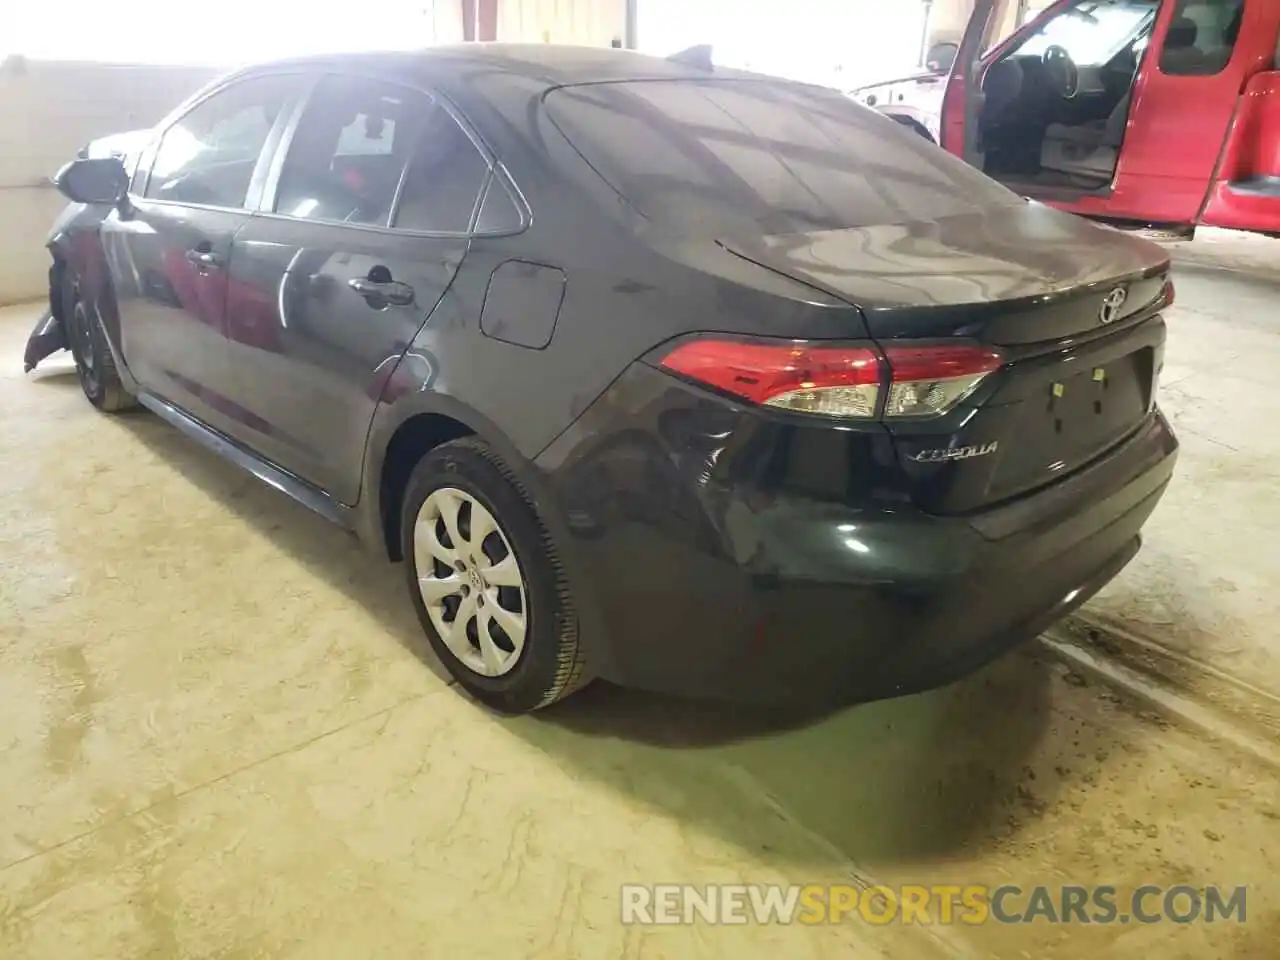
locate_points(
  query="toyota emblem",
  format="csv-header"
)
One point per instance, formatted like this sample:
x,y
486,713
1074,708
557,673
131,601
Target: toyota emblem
x,y
1112,303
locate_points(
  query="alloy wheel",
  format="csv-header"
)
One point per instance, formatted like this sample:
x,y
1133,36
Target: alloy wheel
x,y
471,582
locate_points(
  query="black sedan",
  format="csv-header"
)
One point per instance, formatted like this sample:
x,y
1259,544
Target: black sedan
x,y
689,379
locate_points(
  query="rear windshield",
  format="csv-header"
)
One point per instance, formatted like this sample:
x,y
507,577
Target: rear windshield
x,y
762,156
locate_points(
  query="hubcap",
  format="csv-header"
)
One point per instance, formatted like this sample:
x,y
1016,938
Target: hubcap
x,y
471,583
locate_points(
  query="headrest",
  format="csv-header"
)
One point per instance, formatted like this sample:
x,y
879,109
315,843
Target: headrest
x,y
1182,34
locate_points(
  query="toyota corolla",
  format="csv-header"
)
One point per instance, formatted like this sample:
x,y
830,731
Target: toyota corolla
x,y
688,379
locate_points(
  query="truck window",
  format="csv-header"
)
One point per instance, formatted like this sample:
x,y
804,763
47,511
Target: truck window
x,y
1093,32
1201,37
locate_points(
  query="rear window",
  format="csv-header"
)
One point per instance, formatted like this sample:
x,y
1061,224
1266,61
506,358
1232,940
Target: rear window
x,y
726,157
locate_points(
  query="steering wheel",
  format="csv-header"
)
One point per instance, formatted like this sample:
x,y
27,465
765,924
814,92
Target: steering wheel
x,y
1063,72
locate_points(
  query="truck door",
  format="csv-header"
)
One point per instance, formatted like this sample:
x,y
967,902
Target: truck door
x,y
1185,96
1245,191
1194,142
962,102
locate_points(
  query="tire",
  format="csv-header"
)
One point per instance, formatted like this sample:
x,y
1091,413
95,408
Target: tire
x,y
95,365
450,579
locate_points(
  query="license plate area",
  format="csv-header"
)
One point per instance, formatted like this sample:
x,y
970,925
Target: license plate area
x,y
1075,416
1021,433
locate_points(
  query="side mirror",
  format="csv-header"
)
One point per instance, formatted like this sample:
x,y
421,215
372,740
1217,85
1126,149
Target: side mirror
x,y
93,180
941,57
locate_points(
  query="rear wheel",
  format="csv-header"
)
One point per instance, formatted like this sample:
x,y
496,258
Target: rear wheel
x,y
485,580
95,365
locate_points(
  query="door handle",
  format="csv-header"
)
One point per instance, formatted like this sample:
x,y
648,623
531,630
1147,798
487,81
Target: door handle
x,y
203,258
383,291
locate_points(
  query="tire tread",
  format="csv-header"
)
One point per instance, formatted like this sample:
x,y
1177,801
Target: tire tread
x,y
112,395
571,671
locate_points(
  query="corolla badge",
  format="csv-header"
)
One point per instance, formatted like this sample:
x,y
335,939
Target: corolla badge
x,y
948,454
1112,304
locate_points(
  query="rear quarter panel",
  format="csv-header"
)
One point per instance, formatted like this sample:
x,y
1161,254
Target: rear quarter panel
x,y
625,292
626,289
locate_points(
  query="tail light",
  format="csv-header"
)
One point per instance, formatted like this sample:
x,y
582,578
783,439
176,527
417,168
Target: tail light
x,y
897,382
928,381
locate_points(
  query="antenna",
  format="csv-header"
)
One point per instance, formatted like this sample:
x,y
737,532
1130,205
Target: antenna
x,y
699,57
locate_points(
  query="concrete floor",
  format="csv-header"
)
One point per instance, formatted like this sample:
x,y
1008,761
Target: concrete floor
x,y
220,735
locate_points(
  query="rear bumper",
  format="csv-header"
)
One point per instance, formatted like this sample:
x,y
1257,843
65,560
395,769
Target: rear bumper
x,y
719,590
854,642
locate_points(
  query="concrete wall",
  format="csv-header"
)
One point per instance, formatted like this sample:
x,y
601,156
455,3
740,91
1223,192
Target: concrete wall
x,y
948,18
47,112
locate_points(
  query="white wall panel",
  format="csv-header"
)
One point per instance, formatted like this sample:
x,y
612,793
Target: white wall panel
x,y
443,21
47,112
589,22
948,17
227,33
49,108
840,43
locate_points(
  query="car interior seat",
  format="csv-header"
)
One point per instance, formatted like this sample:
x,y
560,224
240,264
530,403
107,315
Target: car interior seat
x,y
1090,150
1181,56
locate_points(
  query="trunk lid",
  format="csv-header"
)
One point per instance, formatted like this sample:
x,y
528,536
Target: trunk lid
x,y
1081,358
1011,275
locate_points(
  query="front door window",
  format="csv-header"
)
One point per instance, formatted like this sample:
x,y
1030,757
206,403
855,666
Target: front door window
x,y
209,156
1092,32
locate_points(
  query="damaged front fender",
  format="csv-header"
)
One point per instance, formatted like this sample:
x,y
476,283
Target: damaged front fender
x,y
46,339
74,230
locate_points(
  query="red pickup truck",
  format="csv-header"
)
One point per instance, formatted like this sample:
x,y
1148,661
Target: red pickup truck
x,y
1150,113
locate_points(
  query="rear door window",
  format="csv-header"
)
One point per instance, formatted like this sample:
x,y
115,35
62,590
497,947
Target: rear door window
x,y
444,179
736,156
1202,37
499,213
350,150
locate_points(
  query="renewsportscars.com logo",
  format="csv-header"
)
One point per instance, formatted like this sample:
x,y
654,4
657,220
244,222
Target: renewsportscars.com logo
x,y
928,905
